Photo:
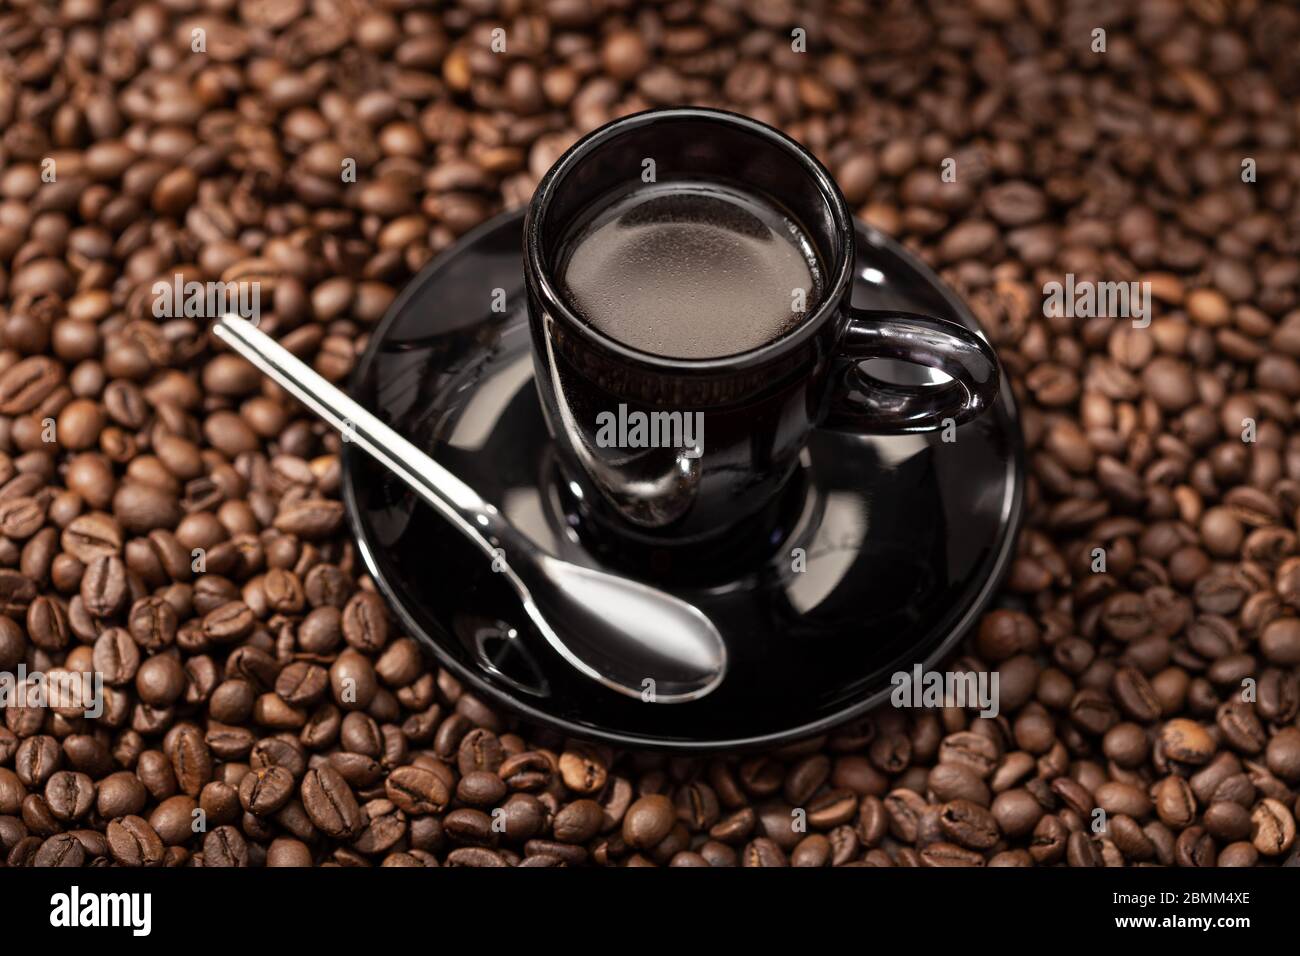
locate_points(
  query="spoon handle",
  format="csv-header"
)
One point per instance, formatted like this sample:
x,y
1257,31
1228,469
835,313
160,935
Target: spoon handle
x,y
453,499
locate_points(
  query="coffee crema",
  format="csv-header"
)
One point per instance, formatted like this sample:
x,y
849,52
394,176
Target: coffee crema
x,y
690,269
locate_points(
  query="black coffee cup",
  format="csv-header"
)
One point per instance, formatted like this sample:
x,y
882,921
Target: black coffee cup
x,y
757,408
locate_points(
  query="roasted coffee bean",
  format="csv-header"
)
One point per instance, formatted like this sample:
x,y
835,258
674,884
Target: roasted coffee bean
x,y
904,808
527,771
365,622
120,794
266,790
648,821
1272,827
481,789
1240,727
417,790
47,624
1017,812
763,852
1282,755
475,856
160,680
225,846
582,770
1131,840
69,795
697,806
287,851
970,750
330,803
480,749
1175,802
578,822
468,826
1227,821
831,809
61,849
1135,696
806,777
1186,741
1238,854
1082,850
132,841
1118,797
1195,847
91,536
523,816
173,819
968,824
383,826
152,623
949,854
104,587
310,519
1049,839
116,656
191,760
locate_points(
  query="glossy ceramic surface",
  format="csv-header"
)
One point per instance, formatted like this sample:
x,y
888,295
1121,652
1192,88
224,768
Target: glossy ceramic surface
x,y
902,538
755,408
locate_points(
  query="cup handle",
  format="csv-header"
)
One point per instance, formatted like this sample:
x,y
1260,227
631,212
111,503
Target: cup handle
x,y
863,403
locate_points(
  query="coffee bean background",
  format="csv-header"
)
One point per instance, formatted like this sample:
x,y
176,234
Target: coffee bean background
x,y
271,688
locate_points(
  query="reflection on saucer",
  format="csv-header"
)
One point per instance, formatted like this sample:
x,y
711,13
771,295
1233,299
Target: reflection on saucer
x,y
500,648
833,549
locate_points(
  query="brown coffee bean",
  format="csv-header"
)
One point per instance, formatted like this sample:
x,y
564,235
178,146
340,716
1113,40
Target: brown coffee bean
x,y
69,795
1017,812
1135,696
1227,821
1186,741
648,821
265,790
365,622
1273,827
132,841
225,846
310,519
330,803
121,794
191,760
949,854
763,852
969,825
1175,803
481,788
578,821
416,790
806,777
104,587
61,849
1240,727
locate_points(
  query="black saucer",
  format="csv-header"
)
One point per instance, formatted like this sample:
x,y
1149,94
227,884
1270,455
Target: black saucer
x,y
905,537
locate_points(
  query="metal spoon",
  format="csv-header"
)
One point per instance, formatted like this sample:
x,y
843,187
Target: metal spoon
x,y
628,636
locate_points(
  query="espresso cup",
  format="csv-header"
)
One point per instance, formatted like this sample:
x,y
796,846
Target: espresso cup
x,y
738,423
